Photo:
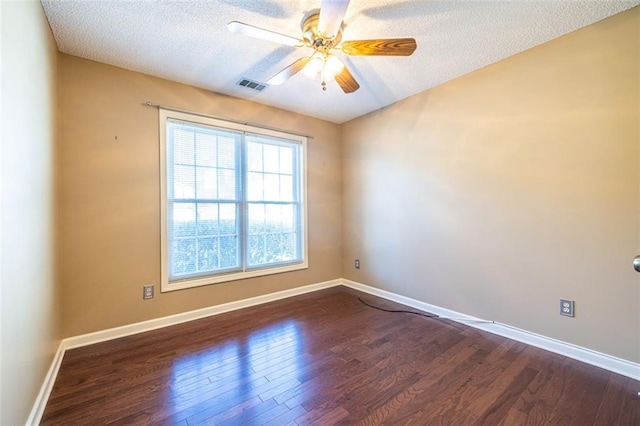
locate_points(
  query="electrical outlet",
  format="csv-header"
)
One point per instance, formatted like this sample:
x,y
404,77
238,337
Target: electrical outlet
x,y
357,263
147,291
566,307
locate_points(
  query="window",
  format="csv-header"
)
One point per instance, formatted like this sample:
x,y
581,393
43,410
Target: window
x,y
233,202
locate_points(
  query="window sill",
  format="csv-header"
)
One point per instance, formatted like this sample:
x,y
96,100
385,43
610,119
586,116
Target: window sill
x,y
234,276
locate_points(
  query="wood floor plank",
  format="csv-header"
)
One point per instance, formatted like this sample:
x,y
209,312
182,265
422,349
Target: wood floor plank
x,y
323,417
288,416
579,393
326,358
261,413
215,415
499,408
611,404
630,410
536,402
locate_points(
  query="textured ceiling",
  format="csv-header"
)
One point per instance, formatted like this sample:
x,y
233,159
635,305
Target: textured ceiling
x,y
188,42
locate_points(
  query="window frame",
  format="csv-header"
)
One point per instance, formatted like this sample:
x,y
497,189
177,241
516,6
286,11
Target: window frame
x,y
246,272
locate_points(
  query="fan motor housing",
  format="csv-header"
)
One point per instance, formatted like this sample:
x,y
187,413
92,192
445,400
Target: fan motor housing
x,y
315,38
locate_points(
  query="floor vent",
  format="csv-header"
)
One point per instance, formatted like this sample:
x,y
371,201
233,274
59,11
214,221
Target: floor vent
x,y
252,84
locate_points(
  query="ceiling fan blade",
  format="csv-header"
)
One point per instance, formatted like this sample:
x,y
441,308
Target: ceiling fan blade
x,y
261,33
380,47
288,72
345,80
331,16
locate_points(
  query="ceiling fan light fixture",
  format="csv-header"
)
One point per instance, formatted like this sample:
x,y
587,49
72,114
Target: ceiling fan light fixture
x,y
315,66
332,67
323,65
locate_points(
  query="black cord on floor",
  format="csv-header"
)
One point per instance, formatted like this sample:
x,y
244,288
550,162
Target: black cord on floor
x,y
400,310
458,319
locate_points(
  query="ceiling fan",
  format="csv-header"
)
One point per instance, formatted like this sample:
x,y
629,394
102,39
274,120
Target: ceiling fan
x,y
322,31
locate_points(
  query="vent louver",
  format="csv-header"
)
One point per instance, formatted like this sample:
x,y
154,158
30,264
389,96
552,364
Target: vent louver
x,y
252,84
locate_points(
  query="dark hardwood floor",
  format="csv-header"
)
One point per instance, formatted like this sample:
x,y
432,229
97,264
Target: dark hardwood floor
x,y
325,358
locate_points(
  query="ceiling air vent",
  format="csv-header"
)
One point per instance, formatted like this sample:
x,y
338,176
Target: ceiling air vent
x,y
252,84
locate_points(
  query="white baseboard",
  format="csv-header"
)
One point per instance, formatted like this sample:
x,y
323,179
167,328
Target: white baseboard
x,y
140,327
608,362
598,359
45,390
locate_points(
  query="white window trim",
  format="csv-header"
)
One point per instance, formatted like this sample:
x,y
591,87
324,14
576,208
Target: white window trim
x,y
165,284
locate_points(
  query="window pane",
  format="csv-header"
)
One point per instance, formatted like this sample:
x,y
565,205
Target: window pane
x,y
273,219
228,223
273,248
254,157
207,184
182,145
184,182
183,259
207,219
288,246
271,187
256,250
227,152
207,254
227,184
286,188
287,216
206,147
271,158
255,186
279,248
272,237
286,160
256,218
183,217
228,252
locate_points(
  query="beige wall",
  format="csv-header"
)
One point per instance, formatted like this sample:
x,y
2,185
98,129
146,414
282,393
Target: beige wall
x,y
494,195
30,315
501,192
110,221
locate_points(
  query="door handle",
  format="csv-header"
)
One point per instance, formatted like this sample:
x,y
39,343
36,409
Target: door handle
x,y
636,263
